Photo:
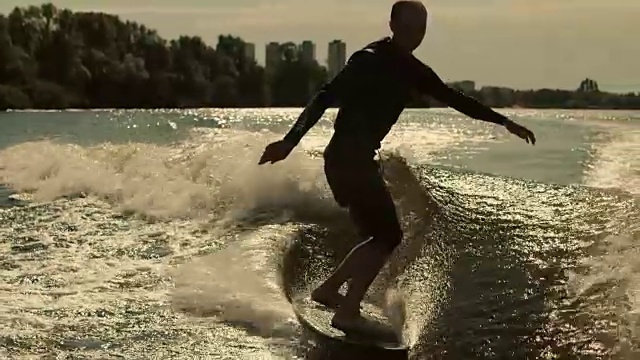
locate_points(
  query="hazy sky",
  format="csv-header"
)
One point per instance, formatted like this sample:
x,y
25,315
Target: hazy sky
x,y
517,43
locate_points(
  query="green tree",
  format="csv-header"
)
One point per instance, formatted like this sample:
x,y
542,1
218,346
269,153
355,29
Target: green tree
x,y
295,80
56,58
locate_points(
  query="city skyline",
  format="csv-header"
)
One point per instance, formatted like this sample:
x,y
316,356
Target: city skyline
x,y
274,52
515,43
336,60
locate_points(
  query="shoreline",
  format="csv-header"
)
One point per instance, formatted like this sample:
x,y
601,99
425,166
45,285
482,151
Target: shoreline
x,y
294,107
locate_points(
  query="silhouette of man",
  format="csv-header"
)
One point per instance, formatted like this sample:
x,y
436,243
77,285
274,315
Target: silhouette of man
x,y
371,92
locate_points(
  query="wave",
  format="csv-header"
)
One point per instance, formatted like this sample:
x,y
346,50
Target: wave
x,y
490,266
210,174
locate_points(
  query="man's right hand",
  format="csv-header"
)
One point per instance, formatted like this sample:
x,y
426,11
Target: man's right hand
x,y
520,131
276,151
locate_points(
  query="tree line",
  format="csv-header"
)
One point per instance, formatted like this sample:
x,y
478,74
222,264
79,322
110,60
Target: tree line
x,y
54,58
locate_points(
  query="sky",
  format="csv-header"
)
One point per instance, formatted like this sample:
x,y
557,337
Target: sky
x,y
517,43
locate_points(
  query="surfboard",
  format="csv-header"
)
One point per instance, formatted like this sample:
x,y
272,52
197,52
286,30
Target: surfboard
x,y
317,318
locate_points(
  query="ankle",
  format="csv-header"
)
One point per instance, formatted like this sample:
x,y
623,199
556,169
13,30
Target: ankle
x,y
343,313
348,309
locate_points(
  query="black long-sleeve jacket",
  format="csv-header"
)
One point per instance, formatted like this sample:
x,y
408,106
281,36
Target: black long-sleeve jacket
x,y
372,91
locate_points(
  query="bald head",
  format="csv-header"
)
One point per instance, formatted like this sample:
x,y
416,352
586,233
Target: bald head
x,y
408,23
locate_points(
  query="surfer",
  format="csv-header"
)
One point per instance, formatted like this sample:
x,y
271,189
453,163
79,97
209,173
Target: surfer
x,y
371,93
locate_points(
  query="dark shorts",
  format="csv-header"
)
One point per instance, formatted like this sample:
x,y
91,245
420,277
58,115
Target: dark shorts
x,y
361,189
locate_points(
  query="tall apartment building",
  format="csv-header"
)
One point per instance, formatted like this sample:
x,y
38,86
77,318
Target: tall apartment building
x,y
273,55
308,51
337,57
289,50
250,51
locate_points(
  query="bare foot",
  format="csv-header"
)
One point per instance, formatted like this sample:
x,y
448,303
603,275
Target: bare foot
x,y
330,299
345,321
356,324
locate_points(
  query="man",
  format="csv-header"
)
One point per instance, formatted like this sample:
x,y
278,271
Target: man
x,y
371,92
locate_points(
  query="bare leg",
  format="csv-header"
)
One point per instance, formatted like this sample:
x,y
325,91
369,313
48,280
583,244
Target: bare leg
x,y
367,268
373,213
327,293
361,265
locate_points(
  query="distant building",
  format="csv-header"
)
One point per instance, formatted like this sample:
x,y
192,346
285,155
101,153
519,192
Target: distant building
x,y
289,50
464,86
273,55
498,95
337,57
250,51
588,85
308,51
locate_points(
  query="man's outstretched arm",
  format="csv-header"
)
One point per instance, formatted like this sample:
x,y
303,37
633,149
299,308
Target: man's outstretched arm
x,y
330,95
314,110
345,84
430,83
